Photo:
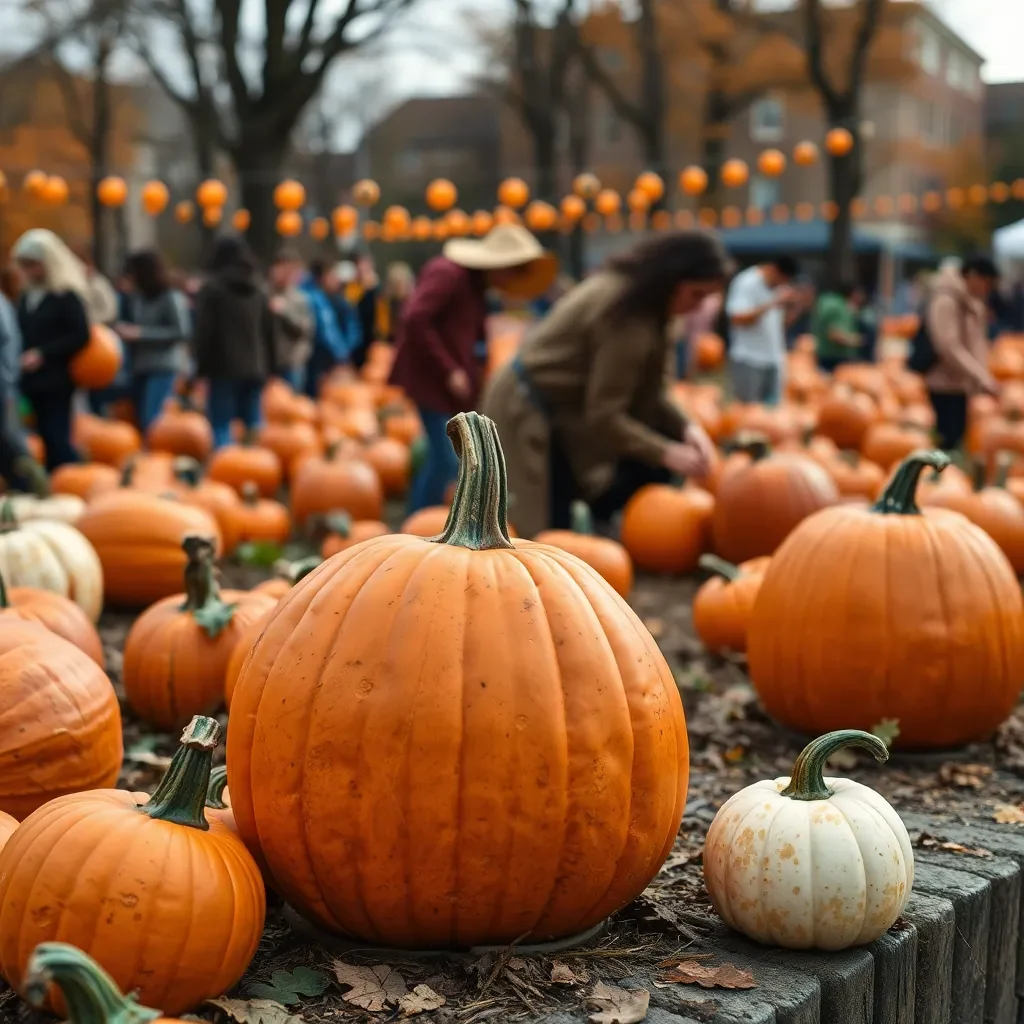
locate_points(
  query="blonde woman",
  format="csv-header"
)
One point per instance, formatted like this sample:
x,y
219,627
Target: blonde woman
x,y
398,285
54,328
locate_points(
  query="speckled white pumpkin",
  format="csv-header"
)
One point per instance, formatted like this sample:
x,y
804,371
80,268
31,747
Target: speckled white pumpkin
x,y
807,862
59,508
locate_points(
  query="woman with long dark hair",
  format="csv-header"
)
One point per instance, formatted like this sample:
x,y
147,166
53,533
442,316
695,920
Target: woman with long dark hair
x,y
583,410
233,339
158,334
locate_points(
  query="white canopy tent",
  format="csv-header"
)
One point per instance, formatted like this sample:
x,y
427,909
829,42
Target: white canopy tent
x,y
1008,242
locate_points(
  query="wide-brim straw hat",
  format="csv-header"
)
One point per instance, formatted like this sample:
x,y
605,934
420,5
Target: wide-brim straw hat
x,y
504,247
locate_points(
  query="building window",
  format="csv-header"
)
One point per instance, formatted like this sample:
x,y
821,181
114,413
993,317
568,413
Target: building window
x,y
927,49
764,192
410,161
767,120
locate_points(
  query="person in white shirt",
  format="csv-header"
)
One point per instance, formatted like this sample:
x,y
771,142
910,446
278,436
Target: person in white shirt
x,y
755,307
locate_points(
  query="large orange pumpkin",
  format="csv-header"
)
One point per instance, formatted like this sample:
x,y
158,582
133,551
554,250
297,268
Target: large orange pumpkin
x,y
762,495
169,903
238,465
606,556
96,365
415,740
60,724
8,823
846,415
868,614
336,484
181,430
107,441
722,605
57,613
667,529
178,649
138,539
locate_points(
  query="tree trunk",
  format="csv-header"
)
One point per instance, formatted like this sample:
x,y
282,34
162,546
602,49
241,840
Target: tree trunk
x,y
844,174
259,167
717,118
99,154
579,151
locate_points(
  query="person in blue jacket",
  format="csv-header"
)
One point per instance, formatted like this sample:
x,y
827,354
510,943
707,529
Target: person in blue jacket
x,y
333,339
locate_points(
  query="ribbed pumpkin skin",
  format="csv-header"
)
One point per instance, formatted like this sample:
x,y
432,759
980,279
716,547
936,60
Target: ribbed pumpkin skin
x,y
864,616
440,747
59,615
168,910
60,723
243,644
8,824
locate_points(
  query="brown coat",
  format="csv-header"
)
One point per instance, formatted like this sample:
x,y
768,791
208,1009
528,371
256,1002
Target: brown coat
x,y
603,386
958,327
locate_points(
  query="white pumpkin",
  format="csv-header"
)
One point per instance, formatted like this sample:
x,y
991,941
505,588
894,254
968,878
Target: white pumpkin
x,y
51,556
61,508
809,862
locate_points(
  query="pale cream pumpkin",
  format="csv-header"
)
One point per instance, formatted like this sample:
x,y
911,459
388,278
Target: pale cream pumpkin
x,y
807,862
61,508
51,556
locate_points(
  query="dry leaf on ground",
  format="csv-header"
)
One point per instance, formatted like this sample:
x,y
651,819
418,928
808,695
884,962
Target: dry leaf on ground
x,y
370,988
421,999
613,1005
928,842
563,974
887,730
689,972
964,776
655,627
256,1011
1008,814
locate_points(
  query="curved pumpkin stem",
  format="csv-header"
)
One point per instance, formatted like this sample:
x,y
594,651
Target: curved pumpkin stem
x,y
295,571
339,523
757,446
4,600
188,471
215,791
128,472
899,496
181,795
478,519
202,594
719,566
582,520
90,994
807,781
250,494
34,473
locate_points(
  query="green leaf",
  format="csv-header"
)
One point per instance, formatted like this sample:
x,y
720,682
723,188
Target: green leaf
x,y
288,987
261,553
214,617
887,730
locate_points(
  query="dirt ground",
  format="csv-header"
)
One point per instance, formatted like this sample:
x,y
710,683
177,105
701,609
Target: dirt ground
x,y
732,744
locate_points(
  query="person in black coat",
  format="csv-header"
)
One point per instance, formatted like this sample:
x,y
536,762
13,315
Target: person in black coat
x,y
54,328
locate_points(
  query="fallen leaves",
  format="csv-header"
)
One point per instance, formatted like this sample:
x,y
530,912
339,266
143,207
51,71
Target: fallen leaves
x,y
421,999
929,842
689,972
563,974
1008,814
887,730
611,1005
964,776
370,988
256,1011
288,987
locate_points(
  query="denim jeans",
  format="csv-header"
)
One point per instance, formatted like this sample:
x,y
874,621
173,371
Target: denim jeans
x,y
296,377
228,400
321,362
53,424
150,392
440,467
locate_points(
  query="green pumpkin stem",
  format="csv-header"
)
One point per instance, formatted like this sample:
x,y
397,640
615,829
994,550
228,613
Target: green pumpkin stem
x,y
979,474
215,791
1004,463
720,567
90,994
34,473
295,571
250,494
582,520
128,472
202,593
478,519
187,471
899,496
339,523
4,601
807,781
8,520
181,795
757,446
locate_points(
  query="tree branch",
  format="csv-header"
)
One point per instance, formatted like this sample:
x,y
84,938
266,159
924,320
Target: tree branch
x,y
71,98
865,35
229,12
815,53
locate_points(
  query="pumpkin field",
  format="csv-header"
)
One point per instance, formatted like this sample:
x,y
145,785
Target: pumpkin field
x,y
272,752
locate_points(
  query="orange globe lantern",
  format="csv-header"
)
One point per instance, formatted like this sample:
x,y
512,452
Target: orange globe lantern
x,y
859,208
1017,188
34,183
55,191
319,228
805,154
608,202
732,217
884,206
482,222
734,173
651,185
907,203
637,220
184,212
838,141
931,202
955,197
112,191
804,211
661,220
693,181
397,219
541,216
754,216
388,232
459,223
771,163
614,223
344,219
977,195
440,230
212,216
638,201
780,213
514,193
586,185
506,215
421,229
371,229
707,217
573,208
289,195
684,220
211,192
441,195
289,223
155,198
366,193
999,192
240,220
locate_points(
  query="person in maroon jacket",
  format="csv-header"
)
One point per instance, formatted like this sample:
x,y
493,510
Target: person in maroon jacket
x,y
442,323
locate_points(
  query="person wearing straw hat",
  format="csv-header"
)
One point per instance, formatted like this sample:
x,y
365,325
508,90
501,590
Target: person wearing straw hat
x,y
441,325
583,411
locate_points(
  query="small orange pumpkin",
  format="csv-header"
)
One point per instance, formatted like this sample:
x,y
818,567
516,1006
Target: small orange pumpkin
x,y
344,532
324,485
181,430
666,529
392,461
259,519
888,444
426,522
604,555
220,500
84,479
239,464
96,365
722,605
108,441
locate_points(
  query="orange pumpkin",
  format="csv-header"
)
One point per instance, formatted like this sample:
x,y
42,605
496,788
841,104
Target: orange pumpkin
x,y
436,664
883,613
260,519
238,465
181,430
218,499
722,605
178,649
218,799
667,529
170,903
108,441
289,441
8,824
846,415
392,461
240,651
84,479
96,365
60,724
762,495
57,613
138,538
856,477
426,522
605,556
890,443
344,532
324,485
